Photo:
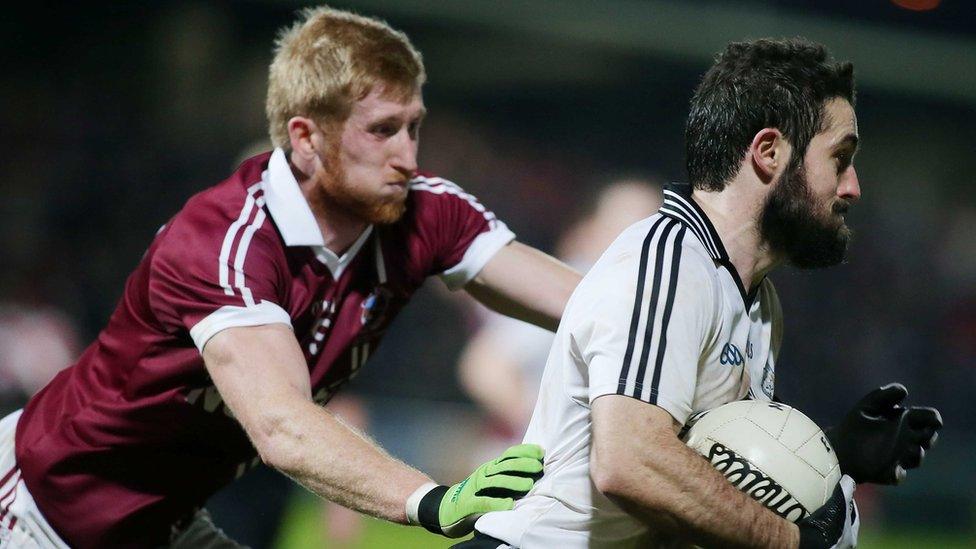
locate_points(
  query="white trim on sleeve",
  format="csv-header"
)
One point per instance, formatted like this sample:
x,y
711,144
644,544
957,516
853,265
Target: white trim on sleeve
x,y
230,316
481,250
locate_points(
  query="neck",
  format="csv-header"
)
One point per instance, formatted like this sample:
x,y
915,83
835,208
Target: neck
x,y
735,213
339,227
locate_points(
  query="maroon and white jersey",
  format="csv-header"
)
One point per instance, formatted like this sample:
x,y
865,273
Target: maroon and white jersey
x,y
134,437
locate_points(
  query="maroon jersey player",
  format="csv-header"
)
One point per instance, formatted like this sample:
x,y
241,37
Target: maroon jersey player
x,y
256,302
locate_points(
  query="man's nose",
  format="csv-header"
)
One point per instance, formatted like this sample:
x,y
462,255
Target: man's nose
x,y
405,154
850,187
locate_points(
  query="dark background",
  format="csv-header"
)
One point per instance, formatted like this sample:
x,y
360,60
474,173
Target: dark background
x,y
112,114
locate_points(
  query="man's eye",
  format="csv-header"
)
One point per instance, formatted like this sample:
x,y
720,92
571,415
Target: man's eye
x,y
414,129
843,162
384,130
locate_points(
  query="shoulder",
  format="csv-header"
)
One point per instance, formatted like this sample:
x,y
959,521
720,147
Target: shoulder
x,y
657,246
652,257
429,186
437,196
228,218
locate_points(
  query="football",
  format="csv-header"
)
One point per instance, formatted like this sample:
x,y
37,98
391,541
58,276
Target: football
x,y
770,451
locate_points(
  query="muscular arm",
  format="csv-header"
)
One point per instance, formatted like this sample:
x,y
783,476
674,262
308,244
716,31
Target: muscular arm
x,y
638,461
261,375
524,283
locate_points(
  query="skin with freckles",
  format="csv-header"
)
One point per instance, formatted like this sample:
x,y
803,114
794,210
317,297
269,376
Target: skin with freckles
x,y
355,173
368,165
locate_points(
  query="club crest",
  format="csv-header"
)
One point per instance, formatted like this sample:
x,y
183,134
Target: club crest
x,y
768,381
375,307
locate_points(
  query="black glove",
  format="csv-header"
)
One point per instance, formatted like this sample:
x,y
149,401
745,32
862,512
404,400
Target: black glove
x,y
880,439
835,524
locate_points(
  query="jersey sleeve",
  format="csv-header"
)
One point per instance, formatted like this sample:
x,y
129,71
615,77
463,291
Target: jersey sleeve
x,y
459,234
644,334
209,272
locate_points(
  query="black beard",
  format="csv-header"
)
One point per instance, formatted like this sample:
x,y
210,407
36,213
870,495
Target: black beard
x,y
794,228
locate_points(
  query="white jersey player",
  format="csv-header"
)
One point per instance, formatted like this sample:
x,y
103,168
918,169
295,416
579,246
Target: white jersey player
x,y
678,317
694,340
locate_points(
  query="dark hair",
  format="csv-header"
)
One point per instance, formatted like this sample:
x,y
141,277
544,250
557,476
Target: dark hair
x,y
764,83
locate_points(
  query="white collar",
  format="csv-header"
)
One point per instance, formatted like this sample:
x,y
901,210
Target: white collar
x,y
294,217
338,264
287,205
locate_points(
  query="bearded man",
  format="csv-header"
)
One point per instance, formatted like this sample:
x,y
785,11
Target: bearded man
x,y
678,317
259,300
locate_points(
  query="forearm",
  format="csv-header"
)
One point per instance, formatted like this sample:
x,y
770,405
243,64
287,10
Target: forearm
x,y
657,478
689,496
526,284
329,458
261,375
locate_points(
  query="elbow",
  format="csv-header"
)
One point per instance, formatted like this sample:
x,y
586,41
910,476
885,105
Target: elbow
x,y
607,479
611,475
269,454
630,483
273,443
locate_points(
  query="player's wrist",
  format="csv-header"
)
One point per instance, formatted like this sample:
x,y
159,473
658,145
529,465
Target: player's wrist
x,y
792,534
423,506
839,442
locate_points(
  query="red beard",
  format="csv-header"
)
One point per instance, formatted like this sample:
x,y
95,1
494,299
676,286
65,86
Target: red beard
x,y
332,191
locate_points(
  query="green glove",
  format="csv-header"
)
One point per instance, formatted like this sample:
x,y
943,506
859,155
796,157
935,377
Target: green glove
x,y
452,511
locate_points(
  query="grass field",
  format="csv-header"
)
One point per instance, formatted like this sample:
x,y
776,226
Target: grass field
x,y
303,530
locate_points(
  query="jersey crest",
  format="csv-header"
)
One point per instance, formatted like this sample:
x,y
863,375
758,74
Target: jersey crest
x,y
375,308
768,381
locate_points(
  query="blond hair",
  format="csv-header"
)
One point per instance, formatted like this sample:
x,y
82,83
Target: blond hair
x,y
330,58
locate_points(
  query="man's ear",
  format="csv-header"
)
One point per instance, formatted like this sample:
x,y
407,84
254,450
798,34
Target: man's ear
x,y
769,153
301,132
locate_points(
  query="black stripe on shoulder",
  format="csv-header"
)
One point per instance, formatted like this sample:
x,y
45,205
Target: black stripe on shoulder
x,y
680,211
659,282
638,300
668,306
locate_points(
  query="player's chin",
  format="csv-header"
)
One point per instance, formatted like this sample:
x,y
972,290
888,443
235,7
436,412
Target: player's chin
x,y
844,233
388,211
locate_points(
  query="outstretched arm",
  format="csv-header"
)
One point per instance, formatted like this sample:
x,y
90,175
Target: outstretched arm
x,y
524,283
261,374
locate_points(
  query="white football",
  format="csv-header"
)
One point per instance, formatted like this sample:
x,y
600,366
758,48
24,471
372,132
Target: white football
x,y
770,451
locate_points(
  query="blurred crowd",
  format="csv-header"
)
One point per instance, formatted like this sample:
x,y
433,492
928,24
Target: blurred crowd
x,y
131,115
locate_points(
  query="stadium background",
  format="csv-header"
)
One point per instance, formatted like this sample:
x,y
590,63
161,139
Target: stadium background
x,y
112,114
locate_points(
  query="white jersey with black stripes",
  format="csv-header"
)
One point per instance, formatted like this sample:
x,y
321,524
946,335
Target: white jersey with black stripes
x,y
662,317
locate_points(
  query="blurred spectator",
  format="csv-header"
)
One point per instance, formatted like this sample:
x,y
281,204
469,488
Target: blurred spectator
x,y
35,344
502,365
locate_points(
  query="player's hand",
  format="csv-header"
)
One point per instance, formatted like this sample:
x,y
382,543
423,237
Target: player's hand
x,y
452,511
835,524
880,439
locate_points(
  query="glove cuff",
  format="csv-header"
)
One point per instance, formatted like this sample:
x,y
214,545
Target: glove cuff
x,y
413,502
423,506
840,450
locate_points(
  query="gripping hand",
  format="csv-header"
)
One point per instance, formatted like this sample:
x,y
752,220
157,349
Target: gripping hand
x,y
452,511
835,524
880,439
